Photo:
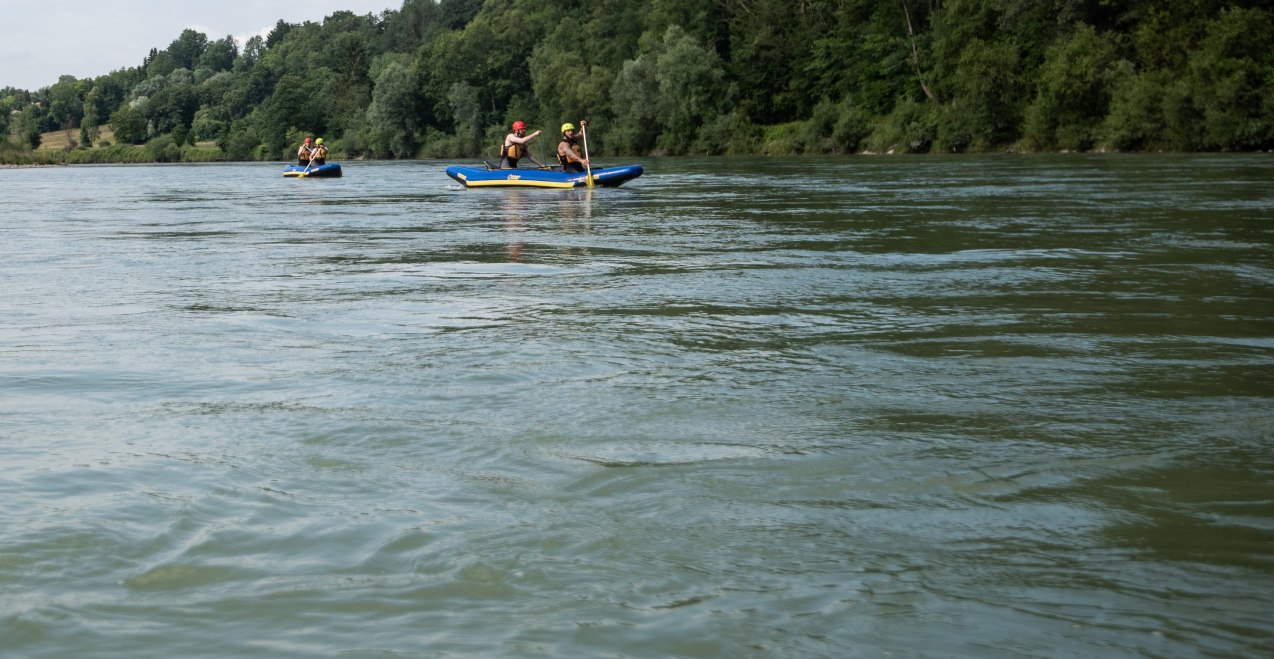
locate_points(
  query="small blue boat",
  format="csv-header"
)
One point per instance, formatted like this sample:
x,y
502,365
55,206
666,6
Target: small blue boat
x,y
481,177
329,170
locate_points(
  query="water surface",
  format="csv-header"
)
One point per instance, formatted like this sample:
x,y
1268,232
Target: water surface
x,y
932,407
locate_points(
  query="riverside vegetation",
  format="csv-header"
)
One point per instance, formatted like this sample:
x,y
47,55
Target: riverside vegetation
x,y
666,77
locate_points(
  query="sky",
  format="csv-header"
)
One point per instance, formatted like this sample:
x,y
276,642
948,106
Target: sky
x,y
43,39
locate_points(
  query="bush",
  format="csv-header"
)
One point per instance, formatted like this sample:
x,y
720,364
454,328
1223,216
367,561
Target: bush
x,y
164,149
816,134
1073,92
442,145
851,129
911,128
116,153
783,139
242,145
729,134
201,154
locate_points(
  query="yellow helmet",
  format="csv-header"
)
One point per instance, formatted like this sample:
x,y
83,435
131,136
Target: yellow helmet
x,y
567,126
319,141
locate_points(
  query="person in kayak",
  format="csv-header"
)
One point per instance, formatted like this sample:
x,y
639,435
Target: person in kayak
x,y
514,147
303,154
568,150
318,155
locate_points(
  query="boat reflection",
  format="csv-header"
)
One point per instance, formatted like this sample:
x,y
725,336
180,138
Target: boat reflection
x,y
570,210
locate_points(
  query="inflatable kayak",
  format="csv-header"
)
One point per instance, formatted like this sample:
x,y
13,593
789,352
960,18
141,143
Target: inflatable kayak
x,y
331,169
479,177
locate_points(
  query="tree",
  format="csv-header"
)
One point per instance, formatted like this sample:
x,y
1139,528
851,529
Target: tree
x,y
187,49
673,88
736,76
220,55
173,107
129,125
1072,91
6,107
915,52
89,124
350,89
765,51
1232,74
634,96
295,103
456,14
28,122
252,51
276,35
66,103
985,91
392,115
405,30
467,112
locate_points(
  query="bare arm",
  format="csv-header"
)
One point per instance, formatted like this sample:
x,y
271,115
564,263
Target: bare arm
x,y
521,140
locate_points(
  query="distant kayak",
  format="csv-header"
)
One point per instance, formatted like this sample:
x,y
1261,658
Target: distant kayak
x,y
478,177
330,170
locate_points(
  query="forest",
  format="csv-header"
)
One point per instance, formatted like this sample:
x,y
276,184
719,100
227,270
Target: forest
x,y
444,79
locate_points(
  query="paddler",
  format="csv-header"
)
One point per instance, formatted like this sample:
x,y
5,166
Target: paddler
x,y
568,149
303,154
319,154
514,147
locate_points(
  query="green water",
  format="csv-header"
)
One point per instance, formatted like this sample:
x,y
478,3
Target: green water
x,y
859,407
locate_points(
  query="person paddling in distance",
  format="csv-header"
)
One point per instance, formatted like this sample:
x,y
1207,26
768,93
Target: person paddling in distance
x,y
568,150
514,147
304,153
318,155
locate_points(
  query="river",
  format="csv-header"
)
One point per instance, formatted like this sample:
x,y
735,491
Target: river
x,y
976,406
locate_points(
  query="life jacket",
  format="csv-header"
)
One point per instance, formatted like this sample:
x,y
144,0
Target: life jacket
x,y
304,153
319,154
514,152
574,148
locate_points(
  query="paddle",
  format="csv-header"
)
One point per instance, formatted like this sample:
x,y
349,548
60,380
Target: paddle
x,y
584,130
307,169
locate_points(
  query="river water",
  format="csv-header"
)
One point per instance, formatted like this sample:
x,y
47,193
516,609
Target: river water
x,y
994,406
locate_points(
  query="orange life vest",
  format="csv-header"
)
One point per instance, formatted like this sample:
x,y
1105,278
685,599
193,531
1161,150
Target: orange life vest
x,y
574,149
514,152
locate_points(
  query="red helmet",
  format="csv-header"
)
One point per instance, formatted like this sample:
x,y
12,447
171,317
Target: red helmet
x,y
518,125
307,140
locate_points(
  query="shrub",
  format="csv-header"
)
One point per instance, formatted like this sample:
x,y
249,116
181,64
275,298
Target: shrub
x,y
910,128
164,149
728,134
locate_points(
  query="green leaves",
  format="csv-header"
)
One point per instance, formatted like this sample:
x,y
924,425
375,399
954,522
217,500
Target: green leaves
x,y
1073,91
391,119
730,76
661,98
1232,75
129,125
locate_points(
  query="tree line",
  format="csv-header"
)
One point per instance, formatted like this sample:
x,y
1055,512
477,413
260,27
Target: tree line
x,y
445,79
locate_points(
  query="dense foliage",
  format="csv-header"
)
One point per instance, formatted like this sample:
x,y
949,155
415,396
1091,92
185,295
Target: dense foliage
x,y
445,79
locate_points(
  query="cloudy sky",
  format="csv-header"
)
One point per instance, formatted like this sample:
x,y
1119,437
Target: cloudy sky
x,y
43,39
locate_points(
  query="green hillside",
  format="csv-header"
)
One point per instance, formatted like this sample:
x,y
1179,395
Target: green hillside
x,y
780,77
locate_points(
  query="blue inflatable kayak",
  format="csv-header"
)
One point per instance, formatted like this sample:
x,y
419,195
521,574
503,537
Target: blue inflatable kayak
x,y
331,169
479,177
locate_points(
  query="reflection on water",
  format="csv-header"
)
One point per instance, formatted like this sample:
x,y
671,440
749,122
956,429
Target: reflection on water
x,y
516,209
928,407
570,211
